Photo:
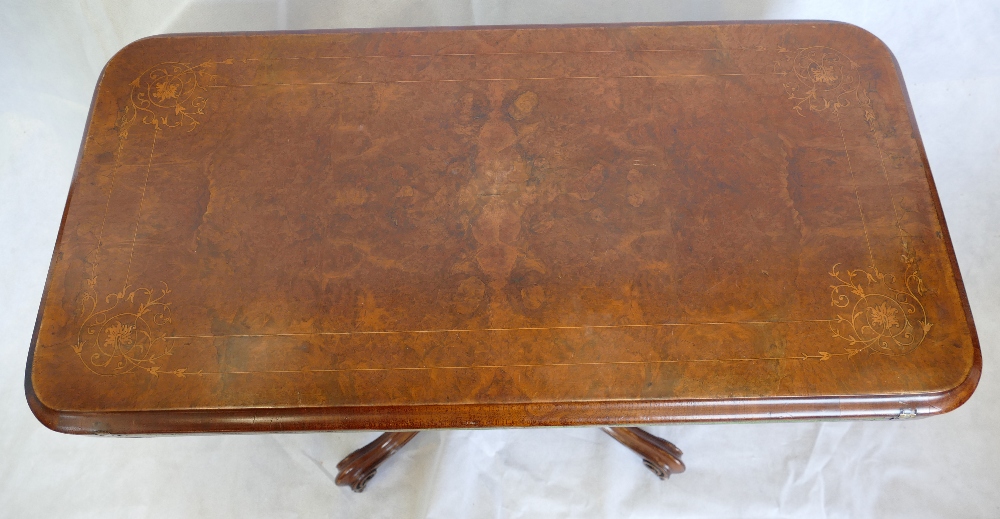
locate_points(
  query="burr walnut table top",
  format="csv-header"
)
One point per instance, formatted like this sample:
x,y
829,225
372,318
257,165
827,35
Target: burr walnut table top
x,y
495,227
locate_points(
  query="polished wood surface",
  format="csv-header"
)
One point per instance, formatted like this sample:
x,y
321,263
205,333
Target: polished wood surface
x,y
658,455
410,229
358,468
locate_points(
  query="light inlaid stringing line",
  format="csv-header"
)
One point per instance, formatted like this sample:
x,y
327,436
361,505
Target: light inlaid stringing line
x,y
892,196
850,167
142,198
472,330
505,366
470,54
470,80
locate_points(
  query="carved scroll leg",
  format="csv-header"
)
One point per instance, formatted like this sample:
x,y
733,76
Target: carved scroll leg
x,y
359,466
658,455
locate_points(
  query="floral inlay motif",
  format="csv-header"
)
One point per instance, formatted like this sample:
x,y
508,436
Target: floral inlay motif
x,y
119,336
823,74
123,335
826,80
169,95
883,316
165,91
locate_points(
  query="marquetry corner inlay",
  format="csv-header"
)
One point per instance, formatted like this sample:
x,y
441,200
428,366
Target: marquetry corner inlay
x,y
122,332
168,95
824,79
881,313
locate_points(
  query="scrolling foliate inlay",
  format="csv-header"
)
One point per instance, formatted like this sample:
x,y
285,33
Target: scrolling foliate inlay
x,y
124,333
883,316
168,95
825,79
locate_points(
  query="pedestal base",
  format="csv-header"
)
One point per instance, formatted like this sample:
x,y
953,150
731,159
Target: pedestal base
x,y
659,455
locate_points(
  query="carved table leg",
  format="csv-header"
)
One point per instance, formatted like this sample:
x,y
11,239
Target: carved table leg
x,y
658,455
359,466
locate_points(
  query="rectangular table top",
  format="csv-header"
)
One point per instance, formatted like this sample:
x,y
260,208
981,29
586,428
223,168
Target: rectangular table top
x,y
491,227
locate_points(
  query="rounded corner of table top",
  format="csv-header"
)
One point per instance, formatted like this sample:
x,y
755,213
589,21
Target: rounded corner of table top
x,y
48,416
954,397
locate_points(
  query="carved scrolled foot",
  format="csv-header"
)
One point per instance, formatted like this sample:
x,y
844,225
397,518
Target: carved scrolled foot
x,y
359,466
658,455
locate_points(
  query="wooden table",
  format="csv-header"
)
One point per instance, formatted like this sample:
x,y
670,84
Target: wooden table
x,y
502,227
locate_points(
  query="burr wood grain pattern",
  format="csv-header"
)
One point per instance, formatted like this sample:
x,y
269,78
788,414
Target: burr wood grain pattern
x,y
490,227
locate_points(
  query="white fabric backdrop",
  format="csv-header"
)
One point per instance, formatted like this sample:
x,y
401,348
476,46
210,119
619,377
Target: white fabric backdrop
x,y
50,55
